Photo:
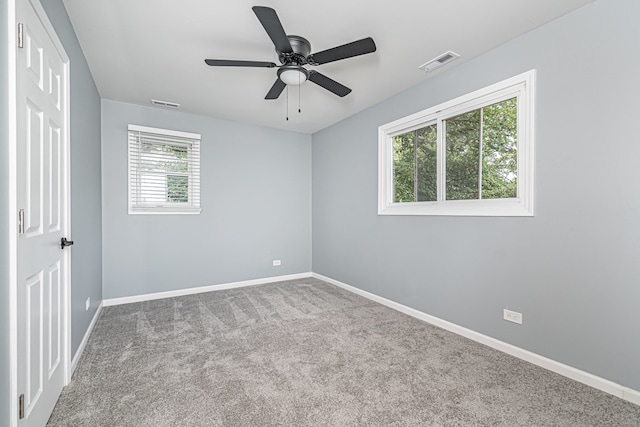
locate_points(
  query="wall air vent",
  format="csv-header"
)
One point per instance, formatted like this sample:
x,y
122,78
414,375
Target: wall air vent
x,y
165,104
438,62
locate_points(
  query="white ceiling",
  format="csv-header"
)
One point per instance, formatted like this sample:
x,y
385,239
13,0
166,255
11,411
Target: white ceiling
x,y
143,49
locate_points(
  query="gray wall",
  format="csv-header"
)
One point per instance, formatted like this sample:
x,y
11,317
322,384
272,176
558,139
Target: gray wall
x,y
256,207
86,210
4,218
573,269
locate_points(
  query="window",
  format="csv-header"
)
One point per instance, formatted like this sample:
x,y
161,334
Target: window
x,y
469,156
164,171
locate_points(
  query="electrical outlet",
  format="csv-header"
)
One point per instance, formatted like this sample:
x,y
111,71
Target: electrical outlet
x,y
276,262
87,304
512,316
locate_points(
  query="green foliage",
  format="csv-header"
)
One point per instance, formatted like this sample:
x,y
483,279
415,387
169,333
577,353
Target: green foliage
x,y
404,168
414,165
463,163
163,157
427,160
481,157
177,189
500,150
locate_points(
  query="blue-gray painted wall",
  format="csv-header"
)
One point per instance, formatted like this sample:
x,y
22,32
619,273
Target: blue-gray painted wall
x,y
86,209
256,207
4,217
573,269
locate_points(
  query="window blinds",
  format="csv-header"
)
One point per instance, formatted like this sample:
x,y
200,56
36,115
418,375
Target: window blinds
x,y
164,171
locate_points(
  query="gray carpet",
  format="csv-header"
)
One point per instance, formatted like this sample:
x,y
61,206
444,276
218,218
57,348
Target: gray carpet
x,y
308,353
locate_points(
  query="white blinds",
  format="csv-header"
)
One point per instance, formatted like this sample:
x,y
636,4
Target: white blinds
x,y
164,171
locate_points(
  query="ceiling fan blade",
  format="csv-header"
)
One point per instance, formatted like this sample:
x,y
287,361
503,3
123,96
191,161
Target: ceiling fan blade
x,y
276,90
232,63
271,23
349,50
329,84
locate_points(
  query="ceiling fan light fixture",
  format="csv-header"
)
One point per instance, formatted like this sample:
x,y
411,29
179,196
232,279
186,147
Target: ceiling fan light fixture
x,y
293,75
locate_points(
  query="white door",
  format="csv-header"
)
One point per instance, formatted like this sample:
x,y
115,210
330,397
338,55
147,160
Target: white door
x,y
42,194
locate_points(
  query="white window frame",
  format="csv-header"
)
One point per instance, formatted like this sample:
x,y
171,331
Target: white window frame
x,y
193,207
521,87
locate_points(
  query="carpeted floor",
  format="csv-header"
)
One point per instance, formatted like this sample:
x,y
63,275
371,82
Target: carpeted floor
x,y
308,353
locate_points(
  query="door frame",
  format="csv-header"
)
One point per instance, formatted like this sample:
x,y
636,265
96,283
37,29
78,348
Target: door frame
x,y
12,27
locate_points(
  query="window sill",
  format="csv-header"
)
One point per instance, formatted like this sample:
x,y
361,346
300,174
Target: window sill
x,y
165,211
496,207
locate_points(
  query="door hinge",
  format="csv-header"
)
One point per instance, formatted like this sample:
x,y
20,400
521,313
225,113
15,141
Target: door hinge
x,y
21,406
20,44
21,221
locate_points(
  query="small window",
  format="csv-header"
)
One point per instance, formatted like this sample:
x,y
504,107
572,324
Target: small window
x,y
164,171
469,156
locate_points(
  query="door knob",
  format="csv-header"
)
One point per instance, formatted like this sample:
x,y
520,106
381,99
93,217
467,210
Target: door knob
x,y
64,242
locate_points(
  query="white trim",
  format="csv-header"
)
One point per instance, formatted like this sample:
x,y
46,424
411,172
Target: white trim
x,y
193,206
13,208
201,289
575,374
164,211
68,255
178,133
85,339
522,87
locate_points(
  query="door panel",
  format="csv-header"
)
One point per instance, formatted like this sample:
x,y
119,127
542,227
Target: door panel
x,y
54,178
34,169
54,88
34,56
53,320
42,191
34,341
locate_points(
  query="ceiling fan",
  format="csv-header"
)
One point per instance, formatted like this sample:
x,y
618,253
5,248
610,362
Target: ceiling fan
x,y
294,52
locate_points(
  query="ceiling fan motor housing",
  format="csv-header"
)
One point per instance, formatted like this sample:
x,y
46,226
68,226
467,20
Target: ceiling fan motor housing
x,y
301,50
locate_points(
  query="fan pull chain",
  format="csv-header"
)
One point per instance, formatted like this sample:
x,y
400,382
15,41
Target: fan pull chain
x,y
299,90
287,102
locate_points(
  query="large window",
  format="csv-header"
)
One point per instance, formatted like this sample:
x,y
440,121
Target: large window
x,y
164,171
469,156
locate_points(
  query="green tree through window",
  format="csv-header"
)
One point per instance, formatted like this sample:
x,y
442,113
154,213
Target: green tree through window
x,y
481,159
463,143
500,150
415,165
177,188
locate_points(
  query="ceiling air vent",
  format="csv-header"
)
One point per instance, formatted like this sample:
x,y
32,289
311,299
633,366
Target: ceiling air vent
x,y
165,104
439,61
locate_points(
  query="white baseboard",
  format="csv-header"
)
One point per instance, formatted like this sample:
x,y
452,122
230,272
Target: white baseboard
x,y
85,339
594,381
201,289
